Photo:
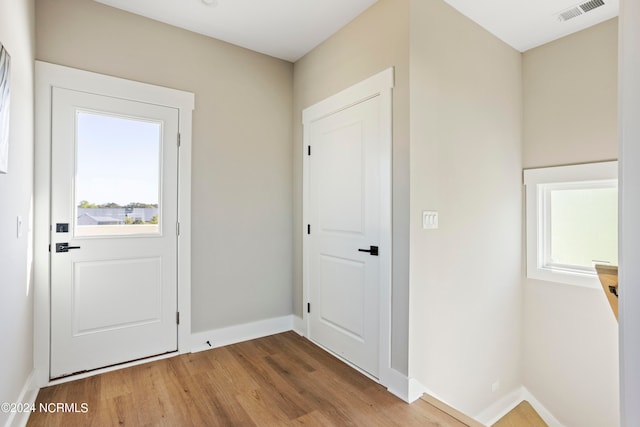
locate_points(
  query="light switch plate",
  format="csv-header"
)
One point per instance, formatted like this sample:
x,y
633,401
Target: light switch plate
x,y
429,220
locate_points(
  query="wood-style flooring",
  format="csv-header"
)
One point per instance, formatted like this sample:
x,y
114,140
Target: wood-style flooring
x,y
281,380
522,415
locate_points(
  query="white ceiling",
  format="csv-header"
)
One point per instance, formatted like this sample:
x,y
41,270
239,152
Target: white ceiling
x,y
288,29
525,24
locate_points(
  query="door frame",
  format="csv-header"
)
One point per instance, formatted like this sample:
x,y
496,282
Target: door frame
x,y
48,76
379,85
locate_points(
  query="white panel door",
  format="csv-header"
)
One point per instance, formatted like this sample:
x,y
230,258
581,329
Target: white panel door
x,y
113,231
344,205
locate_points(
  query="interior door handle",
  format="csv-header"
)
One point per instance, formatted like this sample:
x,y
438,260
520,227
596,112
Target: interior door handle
x,y
373,250
64,247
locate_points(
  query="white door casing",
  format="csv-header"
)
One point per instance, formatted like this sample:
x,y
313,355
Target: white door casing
x,y
114,296
347,206
48,77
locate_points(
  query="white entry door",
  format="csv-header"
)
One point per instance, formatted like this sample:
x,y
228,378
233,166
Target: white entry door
x,y
344,232
113,240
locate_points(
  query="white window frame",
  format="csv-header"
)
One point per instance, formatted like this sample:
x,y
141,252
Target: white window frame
x,y
539,183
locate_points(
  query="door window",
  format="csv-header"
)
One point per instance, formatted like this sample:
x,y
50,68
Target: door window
x,y
117,181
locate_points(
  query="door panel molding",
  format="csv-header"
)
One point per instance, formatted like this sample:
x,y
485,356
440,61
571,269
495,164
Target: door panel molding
x,y
49,76
380,86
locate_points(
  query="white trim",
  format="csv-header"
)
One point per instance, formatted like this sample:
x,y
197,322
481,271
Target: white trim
x,y
299,326
359,92
572,173
403,387
476,418
498,409
380,85
629,231
541,410
445,407
27,396
538,183
416,390
505,404
240,333
48,76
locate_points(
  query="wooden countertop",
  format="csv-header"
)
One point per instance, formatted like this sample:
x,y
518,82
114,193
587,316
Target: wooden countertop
x,y
608,275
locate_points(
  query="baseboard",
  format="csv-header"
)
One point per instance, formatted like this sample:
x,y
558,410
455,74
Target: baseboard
x,y
299,326
239,333
410,390
407,389
398,384
445,407
541,410
504,405
28,396
490,415
416,390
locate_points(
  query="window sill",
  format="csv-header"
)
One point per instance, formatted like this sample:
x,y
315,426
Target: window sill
x,y
585,280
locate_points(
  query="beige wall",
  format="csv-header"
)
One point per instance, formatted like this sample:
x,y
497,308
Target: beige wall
x,y
466,124
17,34
570,99
570,334
241,211
374,41
459,98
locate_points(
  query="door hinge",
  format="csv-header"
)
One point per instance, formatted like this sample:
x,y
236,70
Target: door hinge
x,y
179,142
308,150
177,317
308,307
177,229
308,228
49,247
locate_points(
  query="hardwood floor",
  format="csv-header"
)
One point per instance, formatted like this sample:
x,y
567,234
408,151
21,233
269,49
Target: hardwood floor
x,y
281,380
521,416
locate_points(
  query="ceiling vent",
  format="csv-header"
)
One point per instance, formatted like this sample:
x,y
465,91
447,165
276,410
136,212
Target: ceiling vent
x,y
579,10
590,5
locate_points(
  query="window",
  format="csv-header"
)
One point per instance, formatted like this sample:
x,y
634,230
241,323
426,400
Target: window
x,y
572,222
118,172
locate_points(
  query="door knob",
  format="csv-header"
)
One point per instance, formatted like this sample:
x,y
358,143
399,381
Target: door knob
x,y
373,250
64,247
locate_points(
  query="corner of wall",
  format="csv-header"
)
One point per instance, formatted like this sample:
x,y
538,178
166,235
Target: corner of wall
x,y
299,326
17,35
214,338
466,163
494,412
27,398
